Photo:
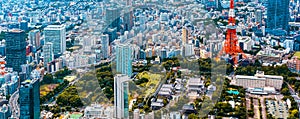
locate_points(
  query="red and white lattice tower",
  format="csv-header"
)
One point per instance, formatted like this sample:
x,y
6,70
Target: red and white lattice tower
x,y
231,45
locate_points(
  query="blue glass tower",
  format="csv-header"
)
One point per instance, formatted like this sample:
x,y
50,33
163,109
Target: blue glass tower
x,y
278,14
123,59
29,99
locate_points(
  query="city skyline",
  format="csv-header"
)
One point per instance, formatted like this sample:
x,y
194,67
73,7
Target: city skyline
x,y
178,59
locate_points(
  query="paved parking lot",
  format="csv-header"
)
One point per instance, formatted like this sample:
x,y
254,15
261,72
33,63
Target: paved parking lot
x,y
256,109
264,112
263,108
277,108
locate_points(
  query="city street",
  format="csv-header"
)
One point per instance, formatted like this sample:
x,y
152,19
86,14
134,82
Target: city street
x,y
13,101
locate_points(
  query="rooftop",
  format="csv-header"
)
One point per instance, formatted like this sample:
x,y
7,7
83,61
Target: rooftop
x,y
249,77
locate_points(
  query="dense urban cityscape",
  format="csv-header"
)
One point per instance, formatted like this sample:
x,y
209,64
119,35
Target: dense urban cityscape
x,y
150,59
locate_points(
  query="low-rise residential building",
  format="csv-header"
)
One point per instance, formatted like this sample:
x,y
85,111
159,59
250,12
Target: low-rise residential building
x,y
96,111
270,55
294,64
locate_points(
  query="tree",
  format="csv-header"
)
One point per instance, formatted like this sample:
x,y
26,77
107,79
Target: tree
x,y
48,79
285,91
193,116
294,113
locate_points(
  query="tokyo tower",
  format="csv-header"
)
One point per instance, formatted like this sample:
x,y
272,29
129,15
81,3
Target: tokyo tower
x,y
231,45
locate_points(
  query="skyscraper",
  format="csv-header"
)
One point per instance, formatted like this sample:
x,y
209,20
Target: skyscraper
x,y
121,90
128,20
48,53
123,59
56,34
112,17
189,50
128,16
258,16
184,36
29,99
15,49
104,46
278,14
163,54
34,38
24,25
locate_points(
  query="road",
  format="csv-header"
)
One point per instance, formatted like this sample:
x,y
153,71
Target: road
x,y
13,102
294,95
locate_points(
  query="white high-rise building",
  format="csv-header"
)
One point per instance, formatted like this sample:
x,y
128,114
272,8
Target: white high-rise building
x,y
121,89
189,50
48,53
258,16
136,114
56,34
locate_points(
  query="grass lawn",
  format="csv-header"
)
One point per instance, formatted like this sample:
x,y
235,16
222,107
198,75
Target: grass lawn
x,y
45,89
297,54
149,87
70,78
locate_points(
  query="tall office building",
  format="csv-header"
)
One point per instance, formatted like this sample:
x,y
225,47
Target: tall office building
x,y
105,46
184,36
29,99
123,59
56,34
48,53
278,14
128,20
112,17
128,16
4,110
258,16
26,70
34,38
15,49
121,89
2,48
189,50
24,25
163,54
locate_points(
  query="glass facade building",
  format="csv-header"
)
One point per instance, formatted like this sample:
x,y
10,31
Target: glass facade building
x,y
29,99
15,49
56,34
121,90
48,53
277,14
123,59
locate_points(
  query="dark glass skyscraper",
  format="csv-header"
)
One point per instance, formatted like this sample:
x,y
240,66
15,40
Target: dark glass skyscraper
x,y
15,49
29,99
128,16
278,14
112,16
